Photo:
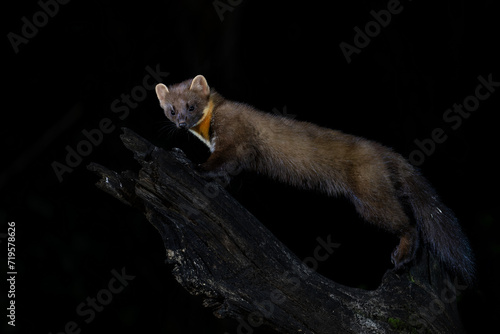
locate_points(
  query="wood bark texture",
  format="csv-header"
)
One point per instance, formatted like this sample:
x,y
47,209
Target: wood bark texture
x,y
222,252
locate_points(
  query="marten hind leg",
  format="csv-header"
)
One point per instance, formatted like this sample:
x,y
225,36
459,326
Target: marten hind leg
x,y
388,214
405,251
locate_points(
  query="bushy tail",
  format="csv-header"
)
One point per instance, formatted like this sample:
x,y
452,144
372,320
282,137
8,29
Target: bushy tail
x,y
439,226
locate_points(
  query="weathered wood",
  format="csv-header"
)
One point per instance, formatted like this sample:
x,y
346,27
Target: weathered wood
x,y
224,253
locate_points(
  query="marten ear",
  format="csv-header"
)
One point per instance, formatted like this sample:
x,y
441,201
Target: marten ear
x,y
161,92
200,84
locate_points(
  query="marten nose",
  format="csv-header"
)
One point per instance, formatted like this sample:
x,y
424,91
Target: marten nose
x,y
182,125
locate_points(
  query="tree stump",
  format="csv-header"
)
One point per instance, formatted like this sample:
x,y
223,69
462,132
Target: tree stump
x,y
221,251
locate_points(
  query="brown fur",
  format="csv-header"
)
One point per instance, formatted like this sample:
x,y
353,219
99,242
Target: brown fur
x,y
380,182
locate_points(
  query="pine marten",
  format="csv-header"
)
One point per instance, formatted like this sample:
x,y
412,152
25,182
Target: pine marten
x,y
381,184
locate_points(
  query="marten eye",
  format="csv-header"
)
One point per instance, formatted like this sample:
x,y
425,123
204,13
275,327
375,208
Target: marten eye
x,y
190,108
172,111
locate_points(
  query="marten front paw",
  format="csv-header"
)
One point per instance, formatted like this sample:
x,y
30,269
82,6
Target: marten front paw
x,y
217,175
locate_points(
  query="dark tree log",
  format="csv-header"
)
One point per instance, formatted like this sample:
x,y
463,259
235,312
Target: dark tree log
x,y
224,253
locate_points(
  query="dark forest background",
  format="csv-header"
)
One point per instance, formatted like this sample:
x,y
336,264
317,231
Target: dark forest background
x,y
279,56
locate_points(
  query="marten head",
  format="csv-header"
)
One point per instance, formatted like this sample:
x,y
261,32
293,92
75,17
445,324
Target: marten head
x,y
185,104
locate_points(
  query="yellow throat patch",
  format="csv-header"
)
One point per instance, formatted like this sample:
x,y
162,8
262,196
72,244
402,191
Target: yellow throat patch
x,y
201,129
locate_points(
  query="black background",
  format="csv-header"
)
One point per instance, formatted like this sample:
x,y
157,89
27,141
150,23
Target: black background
x,y
275,55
